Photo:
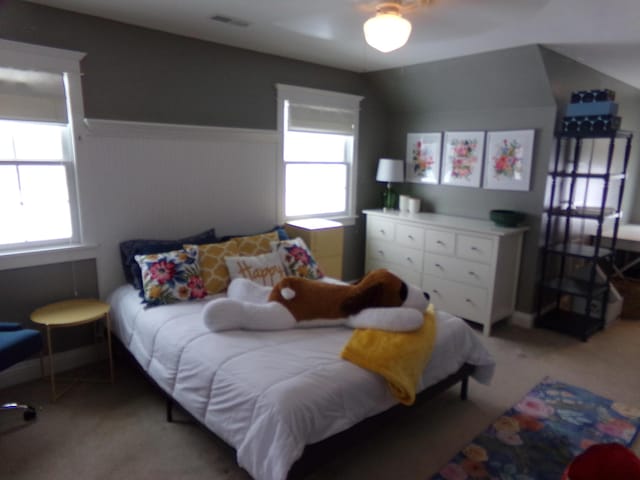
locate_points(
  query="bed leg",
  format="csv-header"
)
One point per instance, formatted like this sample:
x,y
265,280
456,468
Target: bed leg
x,y
169,410
464,387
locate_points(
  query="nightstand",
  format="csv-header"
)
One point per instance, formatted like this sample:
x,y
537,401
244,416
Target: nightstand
x,y
70,313
325,238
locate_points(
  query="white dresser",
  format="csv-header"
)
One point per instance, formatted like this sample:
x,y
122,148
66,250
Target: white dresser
x,y
468,266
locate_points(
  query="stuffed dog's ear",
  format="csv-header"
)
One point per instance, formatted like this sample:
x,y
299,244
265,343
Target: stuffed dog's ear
x,y
366,298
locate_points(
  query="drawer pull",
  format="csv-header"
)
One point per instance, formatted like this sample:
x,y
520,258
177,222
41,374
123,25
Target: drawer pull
x,y
382,231
474,248
440,242
409,259
439,266
381,253
468,300
473,274
410,237
435,290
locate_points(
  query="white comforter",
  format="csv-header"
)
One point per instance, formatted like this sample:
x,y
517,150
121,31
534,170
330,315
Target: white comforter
x,y
268,394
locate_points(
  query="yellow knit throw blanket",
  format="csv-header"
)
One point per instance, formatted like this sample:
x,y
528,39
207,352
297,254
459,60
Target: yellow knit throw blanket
x,y
400,357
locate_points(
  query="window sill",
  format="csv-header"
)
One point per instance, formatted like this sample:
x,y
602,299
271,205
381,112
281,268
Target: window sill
x,y
45,256
347,221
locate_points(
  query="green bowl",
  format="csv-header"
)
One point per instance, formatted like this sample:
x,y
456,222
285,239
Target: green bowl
x,y
506,218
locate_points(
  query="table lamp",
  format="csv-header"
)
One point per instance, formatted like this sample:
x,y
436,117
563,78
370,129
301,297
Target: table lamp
x,y
390,170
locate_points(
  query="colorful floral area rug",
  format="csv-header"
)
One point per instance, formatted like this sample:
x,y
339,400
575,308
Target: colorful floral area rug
x,y
538,437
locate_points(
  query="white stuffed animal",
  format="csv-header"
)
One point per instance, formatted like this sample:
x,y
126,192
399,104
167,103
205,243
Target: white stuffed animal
x,y
380,300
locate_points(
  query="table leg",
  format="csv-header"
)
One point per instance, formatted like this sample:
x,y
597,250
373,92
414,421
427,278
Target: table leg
x,y
51,369
108,317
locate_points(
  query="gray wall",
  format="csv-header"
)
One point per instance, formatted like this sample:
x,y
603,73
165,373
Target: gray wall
x,y
501,90
567,75
518,88
144,75
25,289
137,74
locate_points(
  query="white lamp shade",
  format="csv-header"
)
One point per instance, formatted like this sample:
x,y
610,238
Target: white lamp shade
x,y
390,170
387,31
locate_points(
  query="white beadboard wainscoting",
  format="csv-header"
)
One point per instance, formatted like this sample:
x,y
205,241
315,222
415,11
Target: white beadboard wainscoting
x,y
140,180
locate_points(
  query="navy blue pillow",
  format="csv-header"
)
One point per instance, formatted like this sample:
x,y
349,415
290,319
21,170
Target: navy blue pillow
x,y
282,234
130,248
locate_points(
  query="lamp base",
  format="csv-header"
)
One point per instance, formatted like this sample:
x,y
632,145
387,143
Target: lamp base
x,y
389,199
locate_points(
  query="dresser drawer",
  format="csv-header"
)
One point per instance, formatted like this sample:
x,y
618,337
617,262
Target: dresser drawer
x,y
381,229
458,270
411,277
404,257
479,249
439,266
462,300
439,241
410,236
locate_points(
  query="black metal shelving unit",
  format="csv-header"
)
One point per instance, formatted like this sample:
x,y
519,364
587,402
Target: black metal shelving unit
x,y
575,274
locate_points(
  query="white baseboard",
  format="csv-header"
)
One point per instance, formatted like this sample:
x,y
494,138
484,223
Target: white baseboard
x,y
521,319
63,361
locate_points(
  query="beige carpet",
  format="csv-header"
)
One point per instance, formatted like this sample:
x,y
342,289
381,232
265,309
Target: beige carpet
x,y
101,431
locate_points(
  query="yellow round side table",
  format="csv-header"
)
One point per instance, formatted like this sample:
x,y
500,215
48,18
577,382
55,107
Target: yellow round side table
x,y
71,313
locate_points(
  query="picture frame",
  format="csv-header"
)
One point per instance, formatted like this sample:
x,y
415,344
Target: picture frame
x,y
424,151
462,158
509,158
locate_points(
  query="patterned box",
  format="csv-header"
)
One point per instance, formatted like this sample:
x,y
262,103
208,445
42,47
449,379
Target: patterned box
x,y
588,96
591,124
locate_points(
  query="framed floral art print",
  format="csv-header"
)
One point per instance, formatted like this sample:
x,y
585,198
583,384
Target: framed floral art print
x,y
462,158
509,157
423,157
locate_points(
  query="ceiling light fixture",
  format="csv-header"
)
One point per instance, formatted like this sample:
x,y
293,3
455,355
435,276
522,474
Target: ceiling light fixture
x,y
388,30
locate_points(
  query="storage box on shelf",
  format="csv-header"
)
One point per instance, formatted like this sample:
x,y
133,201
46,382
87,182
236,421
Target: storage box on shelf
x,y
591,112
468,266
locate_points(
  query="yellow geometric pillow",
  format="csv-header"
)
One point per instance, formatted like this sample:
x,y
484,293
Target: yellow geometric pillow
x,y
256,244
213,268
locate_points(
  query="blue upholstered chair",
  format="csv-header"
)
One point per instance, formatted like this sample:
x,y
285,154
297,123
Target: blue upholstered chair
x,y
18,344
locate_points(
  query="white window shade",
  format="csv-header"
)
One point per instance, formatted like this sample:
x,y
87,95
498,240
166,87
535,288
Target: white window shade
x,y
32,96
307,118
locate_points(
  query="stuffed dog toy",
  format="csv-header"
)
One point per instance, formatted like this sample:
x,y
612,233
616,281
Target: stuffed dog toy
x,y
379,300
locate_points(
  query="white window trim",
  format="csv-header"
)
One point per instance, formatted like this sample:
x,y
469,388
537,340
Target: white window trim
x,y
329,99
45,256
25,56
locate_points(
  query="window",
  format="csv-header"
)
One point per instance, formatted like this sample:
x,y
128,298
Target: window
x,y
39,108
319,132
34,190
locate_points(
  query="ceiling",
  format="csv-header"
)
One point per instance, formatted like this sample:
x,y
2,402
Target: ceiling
x,y
604,34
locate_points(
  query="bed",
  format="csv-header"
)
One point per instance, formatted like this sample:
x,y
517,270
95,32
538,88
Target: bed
x,y
269,394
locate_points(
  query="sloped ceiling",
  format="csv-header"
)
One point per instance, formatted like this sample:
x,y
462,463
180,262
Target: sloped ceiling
x,y
603,35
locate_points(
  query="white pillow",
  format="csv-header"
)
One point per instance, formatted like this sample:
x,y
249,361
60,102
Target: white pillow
x,y
266,269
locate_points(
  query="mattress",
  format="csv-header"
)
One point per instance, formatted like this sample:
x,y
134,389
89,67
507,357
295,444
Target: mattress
x,y
268,394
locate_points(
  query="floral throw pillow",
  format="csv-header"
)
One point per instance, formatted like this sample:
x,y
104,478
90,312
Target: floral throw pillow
x,y
171,277
266,269
297,259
